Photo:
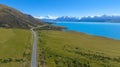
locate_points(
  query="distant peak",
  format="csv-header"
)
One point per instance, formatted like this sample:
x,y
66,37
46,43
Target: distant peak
x,y
47,17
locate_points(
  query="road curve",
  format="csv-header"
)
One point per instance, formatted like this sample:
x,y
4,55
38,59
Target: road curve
x,y
33,61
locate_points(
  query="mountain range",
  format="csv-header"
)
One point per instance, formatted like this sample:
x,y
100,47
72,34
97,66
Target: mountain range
x,y
103,18
62,18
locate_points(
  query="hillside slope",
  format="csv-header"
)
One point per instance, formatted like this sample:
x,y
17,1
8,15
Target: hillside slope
x,y
12,18
72,49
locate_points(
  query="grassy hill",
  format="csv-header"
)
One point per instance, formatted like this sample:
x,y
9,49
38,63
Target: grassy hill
x,y
72,49
15,47
12,18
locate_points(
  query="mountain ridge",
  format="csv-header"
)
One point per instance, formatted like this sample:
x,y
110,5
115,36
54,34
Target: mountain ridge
x,y
12,18
103,18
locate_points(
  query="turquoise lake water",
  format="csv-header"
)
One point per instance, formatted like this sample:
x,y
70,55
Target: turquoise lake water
x,y
105,29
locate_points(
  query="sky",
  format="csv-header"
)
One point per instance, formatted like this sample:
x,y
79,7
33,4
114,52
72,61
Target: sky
x,y
76,8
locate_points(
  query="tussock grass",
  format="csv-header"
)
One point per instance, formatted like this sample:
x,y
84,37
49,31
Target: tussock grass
x,y
73,49
15,47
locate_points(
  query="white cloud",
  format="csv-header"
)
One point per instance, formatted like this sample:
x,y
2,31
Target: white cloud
x,y
46,17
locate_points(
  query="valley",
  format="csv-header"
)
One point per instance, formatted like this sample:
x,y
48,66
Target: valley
x,y
26,41
57,49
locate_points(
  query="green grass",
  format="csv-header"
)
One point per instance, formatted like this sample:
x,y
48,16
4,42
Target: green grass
x,y
72,49
15,47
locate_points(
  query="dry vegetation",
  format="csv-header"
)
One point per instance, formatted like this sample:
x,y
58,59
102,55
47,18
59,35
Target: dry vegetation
x,y
15,48
72,49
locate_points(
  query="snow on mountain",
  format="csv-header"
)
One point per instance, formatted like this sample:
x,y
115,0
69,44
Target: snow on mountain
x,y
102,18
67,18
46,17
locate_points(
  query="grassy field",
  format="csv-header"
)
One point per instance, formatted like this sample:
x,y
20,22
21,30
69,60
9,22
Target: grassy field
x,y
15,48
72,49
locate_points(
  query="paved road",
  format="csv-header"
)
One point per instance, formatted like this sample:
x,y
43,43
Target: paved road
x,y
33,61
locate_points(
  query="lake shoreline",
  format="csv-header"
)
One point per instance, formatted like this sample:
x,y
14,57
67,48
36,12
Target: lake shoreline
x,y
107,32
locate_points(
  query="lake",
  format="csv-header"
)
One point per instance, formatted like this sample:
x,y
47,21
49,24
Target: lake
x,y
105,29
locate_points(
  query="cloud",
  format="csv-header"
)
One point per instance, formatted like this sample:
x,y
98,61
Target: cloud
x,y
46,17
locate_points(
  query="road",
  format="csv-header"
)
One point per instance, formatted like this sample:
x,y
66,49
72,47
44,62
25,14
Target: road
x,y
33,61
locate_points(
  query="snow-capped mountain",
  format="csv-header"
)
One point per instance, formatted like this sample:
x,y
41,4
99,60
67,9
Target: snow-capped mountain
x,y
102,18
67,18
62,18
46,17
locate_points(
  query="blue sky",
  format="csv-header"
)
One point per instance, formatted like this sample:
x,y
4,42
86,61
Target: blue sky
x,y
77,8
